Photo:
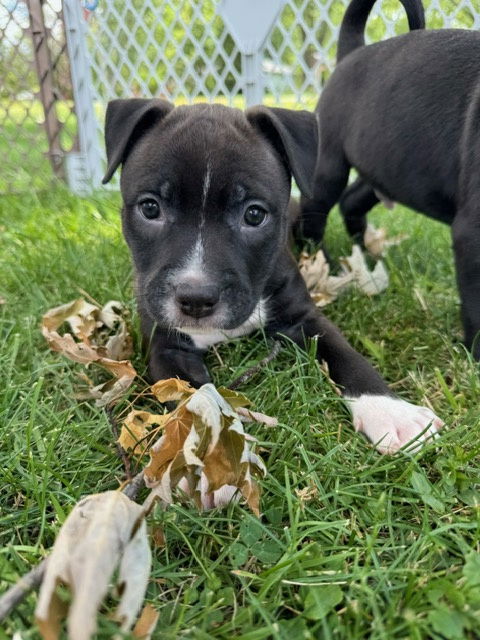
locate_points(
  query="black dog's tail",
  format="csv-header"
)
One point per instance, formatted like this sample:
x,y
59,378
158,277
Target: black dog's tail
x,y
353,23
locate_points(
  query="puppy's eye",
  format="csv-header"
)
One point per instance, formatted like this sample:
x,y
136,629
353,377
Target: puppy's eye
x,y
254,215
149,208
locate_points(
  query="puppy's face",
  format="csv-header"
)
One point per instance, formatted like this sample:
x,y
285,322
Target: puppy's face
x,y
205,193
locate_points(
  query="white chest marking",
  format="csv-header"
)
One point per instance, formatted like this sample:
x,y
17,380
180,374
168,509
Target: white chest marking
x,y
205,338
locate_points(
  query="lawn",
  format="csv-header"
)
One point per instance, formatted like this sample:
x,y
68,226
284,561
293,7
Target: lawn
x,y
350,544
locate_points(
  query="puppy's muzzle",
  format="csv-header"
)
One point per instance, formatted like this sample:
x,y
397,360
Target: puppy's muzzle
x,y
197,300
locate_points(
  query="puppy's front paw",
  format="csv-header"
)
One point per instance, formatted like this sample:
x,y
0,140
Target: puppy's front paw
x,y
391,423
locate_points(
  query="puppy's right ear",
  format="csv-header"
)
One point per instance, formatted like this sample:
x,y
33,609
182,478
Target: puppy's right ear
x,y
125,121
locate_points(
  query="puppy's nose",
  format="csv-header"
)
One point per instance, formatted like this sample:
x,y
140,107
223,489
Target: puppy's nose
x,y
197,300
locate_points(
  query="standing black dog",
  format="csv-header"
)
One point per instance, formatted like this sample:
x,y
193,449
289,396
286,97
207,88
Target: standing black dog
x,y
406,114
206,190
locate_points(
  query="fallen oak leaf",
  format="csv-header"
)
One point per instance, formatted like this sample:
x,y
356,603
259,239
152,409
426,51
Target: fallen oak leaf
x,y
146,623
79,314
120,345
157,536
370,282
172,390
86,324
135,429
204,443
377,242
247,415
111,314
102,531
164,451
234,398
323,287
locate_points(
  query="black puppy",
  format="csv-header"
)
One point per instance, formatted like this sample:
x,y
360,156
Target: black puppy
x,y
406,114
206,190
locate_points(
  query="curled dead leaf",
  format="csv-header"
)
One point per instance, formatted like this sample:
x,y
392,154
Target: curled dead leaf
x,y
205,450
377,241
172,390
104,531
135,429
234,398
370,282
324,288
246,415
146,623
92,341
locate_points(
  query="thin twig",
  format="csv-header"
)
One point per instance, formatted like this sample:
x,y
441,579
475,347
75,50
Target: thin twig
x,y
134,486
120,451
249,373
33,579
22,588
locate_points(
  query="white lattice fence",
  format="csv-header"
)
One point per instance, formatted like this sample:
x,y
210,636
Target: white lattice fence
x,y
184,50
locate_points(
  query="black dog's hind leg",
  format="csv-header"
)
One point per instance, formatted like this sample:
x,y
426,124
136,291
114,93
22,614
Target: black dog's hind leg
x,y
466,228
331,176
355,203
466,247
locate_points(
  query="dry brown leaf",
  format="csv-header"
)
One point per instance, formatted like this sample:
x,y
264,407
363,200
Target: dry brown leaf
x,y
172,390
157,536
204,448
102,532
79,314
323,287
164,451
370,282
377,242
135,429
234,398
93,326
251,493
146,623
306,494
246,415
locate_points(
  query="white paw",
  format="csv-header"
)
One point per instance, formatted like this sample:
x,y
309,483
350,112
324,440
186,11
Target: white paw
x,y
391,423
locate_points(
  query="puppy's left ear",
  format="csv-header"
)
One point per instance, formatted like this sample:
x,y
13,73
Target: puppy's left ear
x,y
294,135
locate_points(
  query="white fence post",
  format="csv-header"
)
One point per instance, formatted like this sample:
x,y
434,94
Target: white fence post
x,y
83,169
250,22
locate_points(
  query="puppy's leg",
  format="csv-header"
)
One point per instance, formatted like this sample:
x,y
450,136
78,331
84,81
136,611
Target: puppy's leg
x,y
466,227
389,422
172,357
331,176
466,246
355,203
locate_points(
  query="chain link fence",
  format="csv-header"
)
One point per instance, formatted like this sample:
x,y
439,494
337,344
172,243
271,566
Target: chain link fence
x,y
37,114
183,50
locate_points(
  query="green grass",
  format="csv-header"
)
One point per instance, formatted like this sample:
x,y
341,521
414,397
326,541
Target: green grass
x,y
384,548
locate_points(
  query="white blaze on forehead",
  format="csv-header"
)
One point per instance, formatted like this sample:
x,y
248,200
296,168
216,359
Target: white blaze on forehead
x,y
194,268
206,187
